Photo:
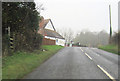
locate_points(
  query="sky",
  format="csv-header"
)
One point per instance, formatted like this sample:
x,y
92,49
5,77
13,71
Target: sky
x,y
80,15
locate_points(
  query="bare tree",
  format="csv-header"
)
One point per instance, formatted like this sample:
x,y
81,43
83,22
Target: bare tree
x,y
67,34
70,35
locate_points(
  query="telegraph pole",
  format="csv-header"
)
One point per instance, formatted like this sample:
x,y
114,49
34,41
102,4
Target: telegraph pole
x,y
110,40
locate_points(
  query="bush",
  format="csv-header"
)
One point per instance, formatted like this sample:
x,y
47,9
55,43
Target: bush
x,y
28,41
5,45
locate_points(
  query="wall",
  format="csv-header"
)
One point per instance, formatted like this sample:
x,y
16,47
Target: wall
x,y
57,40
49,26
60,42
48,41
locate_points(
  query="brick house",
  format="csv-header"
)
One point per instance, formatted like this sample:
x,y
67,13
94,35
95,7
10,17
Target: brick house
x,y
51,37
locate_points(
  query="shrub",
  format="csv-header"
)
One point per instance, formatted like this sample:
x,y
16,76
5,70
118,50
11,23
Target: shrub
x,y
27,41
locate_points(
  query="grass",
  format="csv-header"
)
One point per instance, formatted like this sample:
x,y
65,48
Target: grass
x,y
22,63
110,48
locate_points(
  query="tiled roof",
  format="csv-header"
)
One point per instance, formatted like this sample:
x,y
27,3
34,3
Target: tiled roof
x,y
52,33
48,32
46,22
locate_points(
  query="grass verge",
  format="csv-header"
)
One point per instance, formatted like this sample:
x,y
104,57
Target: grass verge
x,y
22,63
110,48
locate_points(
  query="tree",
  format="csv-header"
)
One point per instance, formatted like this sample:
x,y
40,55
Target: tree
x,y
67,34
19,16
92,38
23,20
115,38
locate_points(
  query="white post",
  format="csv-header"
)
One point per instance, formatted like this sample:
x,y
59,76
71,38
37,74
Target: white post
x,y
9,31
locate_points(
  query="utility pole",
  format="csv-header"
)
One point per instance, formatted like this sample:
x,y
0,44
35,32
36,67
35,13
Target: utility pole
x,y
110,39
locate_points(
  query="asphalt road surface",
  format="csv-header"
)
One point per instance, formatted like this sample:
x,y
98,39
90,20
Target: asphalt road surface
x,y
78,63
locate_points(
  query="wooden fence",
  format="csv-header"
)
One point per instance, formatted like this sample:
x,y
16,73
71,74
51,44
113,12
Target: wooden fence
x,y
48,42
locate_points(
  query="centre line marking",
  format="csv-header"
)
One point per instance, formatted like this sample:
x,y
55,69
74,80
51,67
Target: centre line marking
x,y
81,50
113,79
88,56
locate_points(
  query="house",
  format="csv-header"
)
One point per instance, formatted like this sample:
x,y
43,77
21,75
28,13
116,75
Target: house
x,y
51,37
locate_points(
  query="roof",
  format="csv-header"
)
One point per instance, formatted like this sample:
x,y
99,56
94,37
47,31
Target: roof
x,y
52,33
46,22
48,32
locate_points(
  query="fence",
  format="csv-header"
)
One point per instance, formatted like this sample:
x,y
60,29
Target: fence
x,y
48,42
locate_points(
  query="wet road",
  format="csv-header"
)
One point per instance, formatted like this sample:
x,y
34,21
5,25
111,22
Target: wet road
x,y
78,63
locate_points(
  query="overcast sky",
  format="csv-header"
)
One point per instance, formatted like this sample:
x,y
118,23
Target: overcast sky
x,y
81,15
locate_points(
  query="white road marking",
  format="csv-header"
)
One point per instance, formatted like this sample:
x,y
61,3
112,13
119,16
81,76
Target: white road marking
x,y
81,50
88,56
113,79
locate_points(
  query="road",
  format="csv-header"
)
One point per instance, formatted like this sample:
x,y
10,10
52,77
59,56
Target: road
x,y
78,63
